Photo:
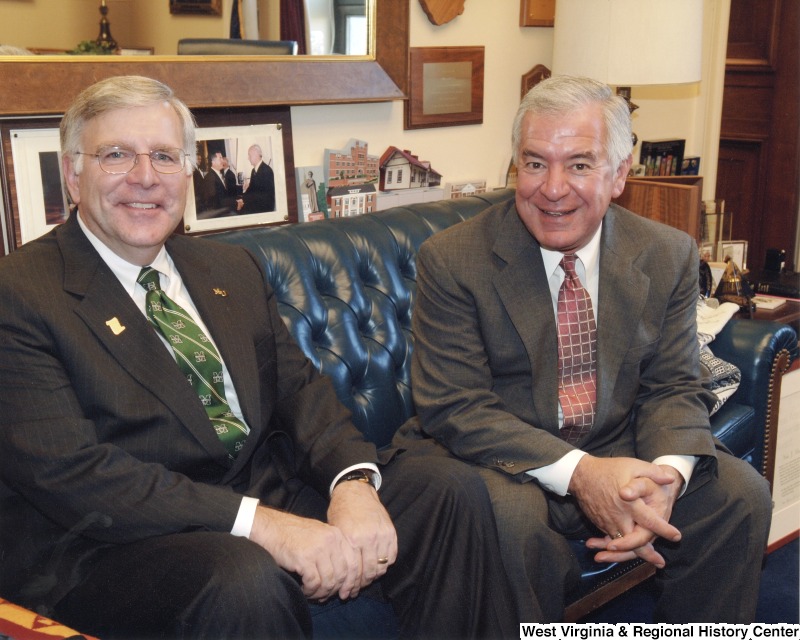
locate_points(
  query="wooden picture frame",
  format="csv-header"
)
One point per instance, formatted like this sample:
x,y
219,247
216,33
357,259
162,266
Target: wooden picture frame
x,y
445,87
208,7
537,13
534,77
19,182
30,180
237,129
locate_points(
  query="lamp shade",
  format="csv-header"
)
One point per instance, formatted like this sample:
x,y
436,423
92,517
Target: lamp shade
x,y
629,42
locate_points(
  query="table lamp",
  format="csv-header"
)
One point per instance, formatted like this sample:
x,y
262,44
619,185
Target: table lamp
x,y
105,39
629,42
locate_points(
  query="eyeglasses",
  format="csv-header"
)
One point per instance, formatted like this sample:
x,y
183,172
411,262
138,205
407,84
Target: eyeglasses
x,y
119,160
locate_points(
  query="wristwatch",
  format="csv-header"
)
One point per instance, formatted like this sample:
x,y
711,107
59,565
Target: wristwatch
x,y
360,475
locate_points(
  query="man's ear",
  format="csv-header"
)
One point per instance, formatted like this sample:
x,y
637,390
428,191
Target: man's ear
x,y
71,178
621,175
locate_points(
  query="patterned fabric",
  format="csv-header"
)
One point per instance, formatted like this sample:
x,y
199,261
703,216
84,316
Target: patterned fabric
x,y
577,354
719,376
18,623
197,358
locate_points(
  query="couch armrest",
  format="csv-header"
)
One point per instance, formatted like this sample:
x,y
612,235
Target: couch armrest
x,y
763,351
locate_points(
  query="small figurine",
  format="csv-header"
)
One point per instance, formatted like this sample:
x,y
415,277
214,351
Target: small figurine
x,y
735,288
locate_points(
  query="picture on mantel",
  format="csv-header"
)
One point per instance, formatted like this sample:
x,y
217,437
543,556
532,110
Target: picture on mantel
x,y
350,165
405,179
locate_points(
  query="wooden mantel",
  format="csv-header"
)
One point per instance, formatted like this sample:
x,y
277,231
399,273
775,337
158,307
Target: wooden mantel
x,y
44,85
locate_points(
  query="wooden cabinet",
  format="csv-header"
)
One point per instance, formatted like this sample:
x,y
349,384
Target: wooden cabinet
x,y
673,200
759,154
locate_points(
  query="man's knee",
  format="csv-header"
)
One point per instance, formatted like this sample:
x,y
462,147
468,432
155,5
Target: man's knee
x,y
438,481
246,590
200,584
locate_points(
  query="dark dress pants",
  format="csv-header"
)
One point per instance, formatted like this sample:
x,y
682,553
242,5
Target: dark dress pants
x,y
724,521
448,581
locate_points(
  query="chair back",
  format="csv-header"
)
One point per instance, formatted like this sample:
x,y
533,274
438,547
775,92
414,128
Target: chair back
x,y
234,47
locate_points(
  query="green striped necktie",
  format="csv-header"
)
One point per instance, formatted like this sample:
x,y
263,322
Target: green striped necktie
x,y
197,358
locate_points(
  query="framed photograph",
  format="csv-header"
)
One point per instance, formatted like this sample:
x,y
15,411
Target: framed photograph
x,y
736,250
464,189
210,7
41,201
240,179
537,13
445,87
707,251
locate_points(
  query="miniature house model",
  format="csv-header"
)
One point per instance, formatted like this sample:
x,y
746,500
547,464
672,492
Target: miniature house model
x,y
403,170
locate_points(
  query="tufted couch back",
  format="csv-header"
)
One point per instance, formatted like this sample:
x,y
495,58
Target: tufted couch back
x,y
346,288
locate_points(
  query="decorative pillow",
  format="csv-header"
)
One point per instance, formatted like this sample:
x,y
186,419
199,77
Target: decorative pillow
x,y
721,377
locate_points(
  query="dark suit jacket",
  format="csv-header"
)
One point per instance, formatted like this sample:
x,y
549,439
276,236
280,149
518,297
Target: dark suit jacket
x,y
101,439
260,194
230,182
215,194
485,355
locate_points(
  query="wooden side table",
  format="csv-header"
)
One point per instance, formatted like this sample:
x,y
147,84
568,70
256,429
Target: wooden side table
x,y
788,313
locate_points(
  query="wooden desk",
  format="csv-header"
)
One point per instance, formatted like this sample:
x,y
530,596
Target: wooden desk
x,y
788,313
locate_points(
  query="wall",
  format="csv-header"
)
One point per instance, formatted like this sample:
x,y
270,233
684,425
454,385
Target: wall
x,y
458,153
483,151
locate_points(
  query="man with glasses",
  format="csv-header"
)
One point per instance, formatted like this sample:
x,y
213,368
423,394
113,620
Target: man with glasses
x,y
136,505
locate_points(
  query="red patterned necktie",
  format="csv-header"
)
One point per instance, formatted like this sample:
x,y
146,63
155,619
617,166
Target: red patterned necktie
x,y
577,355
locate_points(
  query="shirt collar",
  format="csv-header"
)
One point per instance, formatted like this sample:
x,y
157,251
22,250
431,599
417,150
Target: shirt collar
x,y
589,256
126,272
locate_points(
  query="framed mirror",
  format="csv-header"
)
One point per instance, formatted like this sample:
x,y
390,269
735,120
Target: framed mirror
x,y
47,84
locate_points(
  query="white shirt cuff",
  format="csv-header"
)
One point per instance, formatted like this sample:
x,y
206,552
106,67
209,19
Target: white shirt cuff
x,y
682,464
555,477
363,465
244,519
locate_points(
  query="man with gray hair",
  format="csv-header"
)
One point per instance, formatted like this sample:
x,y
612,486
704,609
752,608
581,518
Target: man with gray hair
x,y
555,349
171,464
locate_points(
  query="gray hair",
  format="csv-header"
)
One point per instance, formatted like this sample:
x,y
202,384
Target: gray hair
x,y
561,94
122,92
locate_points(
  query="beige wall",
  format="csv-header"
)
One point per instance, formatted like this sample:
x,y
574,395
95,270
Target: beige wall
x,y
483,151
458,153
61,24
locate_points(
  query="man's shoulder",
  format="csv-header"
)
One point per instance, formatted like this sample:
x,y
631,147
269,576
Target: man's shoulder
x,y
478,230
41,255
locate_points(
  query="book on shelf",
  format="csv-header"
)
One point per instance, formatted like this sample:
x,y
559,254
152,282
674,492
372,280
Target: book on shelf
x,y
662,157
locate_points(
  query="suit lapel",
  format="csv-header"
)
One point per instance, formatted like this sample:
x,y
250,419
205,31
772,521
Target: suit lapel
x,y
108,311
522,286
622,296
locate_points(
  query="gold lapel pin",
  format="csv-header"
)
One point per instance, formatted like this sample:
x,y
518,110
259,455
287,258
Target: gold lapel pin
x,y
220,292
115,326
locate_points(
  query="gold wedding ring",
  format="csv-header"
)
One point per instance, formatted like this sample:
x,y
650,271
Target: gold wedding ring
x,y
383,560
618,534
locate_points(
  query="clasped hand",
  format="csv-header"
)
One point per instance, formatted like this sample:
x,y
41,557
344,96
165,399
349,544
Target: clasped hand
x,y
339,557
629,497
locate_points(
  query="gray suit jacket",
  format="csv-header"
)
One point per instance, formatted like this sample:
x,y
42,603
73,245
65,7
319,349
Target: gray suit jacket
x,y
485,355
101,439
